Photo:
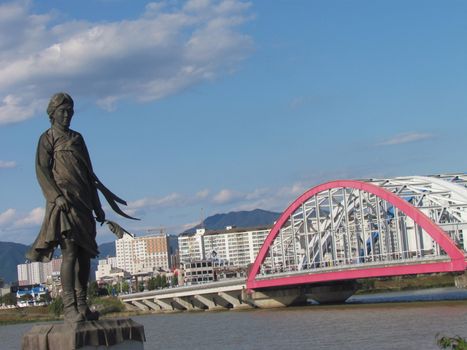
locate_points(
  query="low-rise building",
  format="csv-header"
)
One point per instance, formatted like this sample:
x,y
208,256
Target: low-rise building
x,y
108,273
104,267
31,295
198,272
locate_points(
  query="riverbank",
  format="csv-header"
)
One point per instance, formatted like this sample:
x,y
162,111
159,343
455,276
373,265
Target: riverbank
x,y
111,307
108,307
409,282
25,315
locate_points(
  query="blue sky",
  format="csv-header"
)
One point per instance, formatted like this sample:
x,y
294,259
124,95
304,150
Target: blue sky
x,y
192,108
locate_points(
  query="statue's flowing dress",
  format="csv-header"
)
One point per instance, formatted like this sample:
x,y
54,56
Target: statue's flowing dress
x,y
63,168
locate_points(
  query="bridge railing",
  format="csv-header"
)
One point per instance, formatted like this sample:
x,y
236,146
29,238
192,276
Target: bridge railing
x,y
380,260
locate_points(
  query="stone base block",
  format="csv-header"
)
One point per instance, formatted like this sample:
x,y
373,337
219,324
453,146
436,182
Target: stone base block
x,y
115,334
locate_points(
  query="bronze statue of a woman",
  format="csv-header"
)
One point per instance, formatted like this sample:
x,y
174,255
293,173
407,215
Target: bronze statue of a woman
x,y
69,185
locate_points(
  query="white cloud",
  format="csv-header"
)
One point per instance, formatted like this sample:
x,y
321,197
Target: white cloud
x,y
143,205
202,194
293,190
33,218
170,200
164,51
407,138
6,218
7,164
15,109
262,198
20,227
226,196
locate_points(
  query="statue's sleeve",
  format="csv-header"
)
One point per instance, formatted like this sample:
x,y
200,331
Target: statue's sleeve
x,y
44,163
96,201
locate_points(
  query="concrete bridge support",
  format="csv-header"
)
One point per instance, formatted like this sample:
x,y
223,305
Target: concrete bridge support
x,y
325,293
210,302
274,298
332,293
166,306
140,305
131,307
235,299
187,303
152,305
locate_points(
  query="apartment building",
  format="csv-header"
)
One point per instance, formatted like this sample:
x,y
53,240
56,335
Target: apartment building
x,y
191,246
145,254
235,246
37,272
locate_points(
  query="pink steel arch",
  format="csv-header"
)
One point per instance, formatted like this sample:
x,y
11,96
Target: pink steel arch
x,y
457,256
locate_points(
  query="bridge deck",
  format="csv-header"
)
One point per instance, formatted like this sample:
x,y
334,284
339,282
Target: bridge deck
x,y
185,291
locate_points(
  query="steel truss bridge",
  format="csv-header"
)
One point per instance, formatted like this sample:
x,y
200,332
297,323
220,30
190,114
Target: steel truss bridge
x,y
338,232
347,229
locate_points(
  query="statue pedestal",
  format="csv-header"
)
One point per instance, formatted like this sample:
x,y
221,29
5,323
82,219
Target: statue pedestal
x,y
103,334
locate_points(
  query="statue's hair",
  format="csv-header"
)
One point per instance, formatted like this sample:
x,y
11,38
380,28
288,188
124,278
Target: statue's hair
x,y
57,100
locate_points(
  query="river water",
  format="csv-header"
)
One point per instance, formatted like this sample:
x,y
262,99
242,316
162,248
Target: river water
x,y
404,320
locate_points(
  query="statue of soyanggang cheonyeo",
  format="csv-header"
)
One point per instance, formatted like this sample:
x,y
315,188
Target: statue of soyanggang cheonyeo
x,y
67,180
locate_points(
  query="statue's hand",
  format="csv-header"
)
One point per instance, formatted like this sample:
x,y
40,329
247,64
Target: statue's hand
x,y
100,215
61,203
116,229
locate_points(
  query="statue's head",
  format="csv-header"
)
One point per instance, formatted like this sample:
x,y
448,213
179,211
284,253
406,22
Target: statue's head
x,y
60,109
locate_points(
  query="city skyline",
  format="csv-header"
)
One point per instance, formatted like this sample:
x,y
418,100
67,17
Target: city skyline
x,y
192,108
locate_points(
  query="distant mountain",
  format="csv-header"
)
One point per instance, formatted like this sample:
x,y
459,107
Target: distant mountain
x,y
11,254
106,249
257,217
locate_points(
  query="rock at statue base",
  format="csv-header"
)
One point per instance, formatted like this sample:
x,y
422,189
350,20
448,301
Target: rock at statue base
x,y
103,334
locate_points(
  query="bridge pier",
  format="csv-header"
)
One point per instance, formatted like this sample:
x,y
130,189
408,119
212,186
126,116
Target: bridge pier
x,y
187,303
166,306
152,305
274,298
130,307
331,293
140,305
210,302
235,300
325,293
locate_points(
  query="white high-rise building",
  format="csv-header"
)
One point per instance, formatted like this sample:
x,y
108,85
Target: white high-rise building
x,y
37,272
23,277
143,254
237,246
191,246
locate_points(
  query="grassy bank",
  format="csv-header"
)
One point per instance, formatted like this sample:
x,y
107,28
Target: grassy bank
x,y
108,307
26,314
410,282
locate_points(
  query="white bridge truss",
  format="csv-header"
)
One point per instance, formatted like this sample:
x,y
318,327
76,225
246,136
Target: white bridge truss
x,y
342,227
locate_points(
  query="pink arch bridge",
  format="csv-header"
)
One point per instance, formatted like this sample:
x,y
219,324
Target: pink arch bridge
x,y
347,229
